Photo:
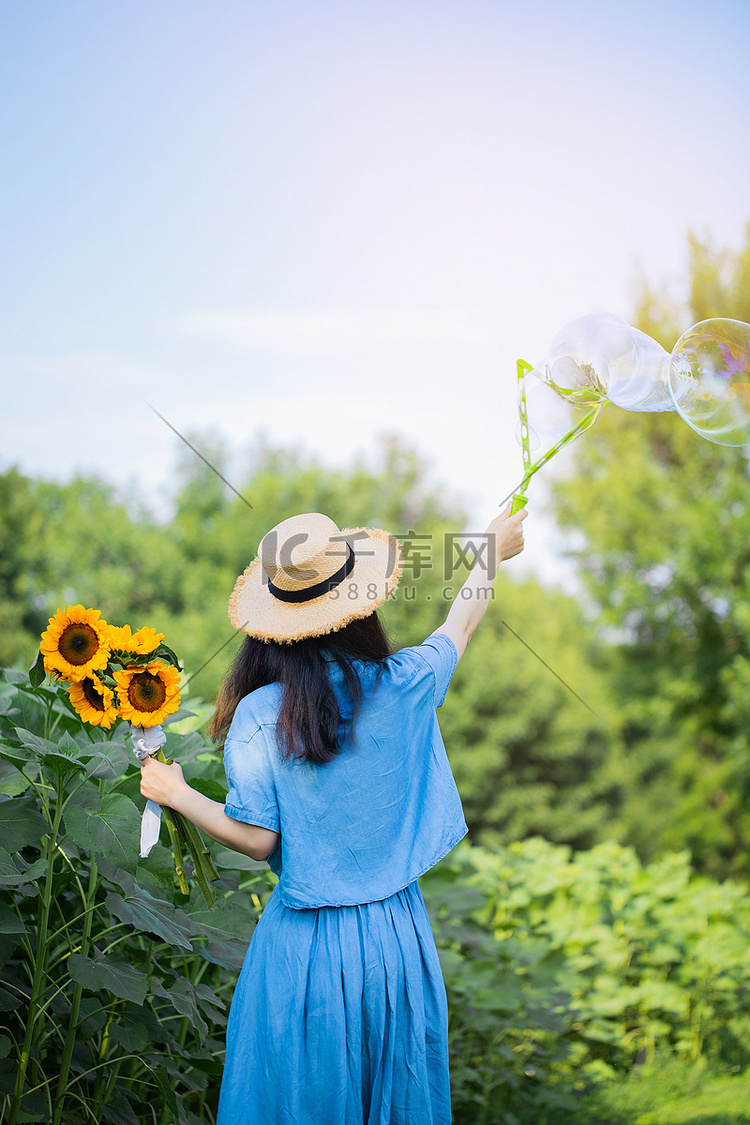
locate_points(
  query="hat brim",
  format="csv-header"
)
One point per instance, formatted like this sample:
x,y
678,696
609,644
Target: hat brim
x,y
254,610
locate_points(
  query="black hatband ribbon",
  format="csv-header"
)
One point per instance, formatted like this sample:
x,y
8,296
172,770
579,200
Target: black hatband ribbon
x,y
319,588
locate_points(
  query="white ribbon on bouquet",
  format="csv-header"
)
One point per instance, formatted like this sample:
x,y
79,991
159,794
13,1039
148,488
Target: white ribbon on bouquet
x,y
146,741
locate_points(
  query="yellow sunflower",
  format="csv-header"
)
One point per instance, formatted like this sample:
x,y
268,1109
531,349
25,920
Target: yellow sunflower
x,y
148,694
145,640
75,643
94,702
120,638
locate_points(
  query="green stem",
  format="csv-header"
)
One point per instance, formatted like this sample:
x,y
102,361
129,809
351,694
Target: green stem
x,y
76,1002
40,966
174,839
47,713
189,835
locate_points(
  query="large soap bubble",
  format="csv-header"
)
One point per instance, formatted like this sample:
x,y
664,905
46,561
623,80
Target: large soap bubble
x,y
709,380
600,357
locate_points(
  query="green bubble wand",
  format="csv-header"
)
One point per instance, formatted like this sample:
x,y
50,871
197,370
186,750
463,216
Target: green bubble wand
x,y
519,500
600,358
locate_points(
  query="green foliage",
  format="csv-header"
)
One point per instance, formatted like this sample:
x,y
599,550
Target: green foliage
x,y
563,970
671,1092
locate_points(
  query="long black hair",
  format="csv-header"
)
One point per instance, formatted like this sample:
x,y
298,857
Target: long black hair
x,y
309,718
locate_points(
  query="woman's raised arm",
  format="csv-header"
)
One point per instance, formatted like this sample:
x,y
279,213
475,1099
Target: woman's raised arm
x,y
505,538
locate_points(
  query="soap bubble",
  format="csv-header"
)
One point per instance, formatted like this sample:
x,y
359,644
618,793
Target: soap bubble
x,y
709,380
601,357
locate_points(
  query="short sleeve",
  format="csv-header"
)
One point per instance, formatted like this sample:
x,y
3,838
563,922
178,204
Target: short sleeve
x,y
440,653
250,776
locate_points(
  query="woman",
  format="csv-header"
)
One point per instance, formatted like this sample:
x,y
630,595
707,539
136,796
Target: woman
x,y
338,777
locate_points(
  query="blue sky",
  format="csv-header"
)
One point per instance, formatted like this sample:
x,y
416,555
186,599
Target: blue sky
x,y
322,221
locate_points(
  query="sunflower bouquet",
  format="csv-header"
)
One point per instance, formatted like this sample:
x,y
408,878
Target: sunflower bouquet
x,y
111,673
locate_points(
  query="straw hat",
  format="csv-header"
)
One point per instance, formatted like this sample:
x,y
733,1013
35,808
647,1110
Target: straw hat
x,y
309,579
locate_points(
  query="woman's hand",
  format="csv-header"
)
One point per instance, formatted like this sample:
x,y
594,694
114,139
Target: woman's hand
x,y
161,783
508,532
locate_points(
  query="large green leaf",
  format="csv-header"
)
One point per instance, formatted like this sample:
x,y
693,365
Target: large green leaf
x,y
112,973
130,1034
110,760
235,861
112,832
210,788
37,672
11,751
14,872
145,912
35,742
221,948
59,765
166,1086
117,1110
181,995
21,823
10,923
236,919
12,998
12,781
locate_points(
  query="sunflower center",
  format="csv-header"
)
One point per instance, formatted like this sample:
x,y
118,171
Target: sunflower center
x,y
78,643
94,698
146,692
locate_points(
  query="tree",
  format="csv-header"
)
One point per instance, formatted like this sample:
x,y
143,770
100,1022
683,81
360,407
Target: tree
x,y
666,561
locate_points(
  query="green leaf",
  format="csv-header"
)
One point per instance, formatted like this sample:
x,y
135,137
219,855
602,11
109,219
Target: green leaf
x,y
10,923
164,1082
66,744
235,919
146,913
164,652
209,788
14,871
33,742
110,762
181,995
112,832
10,1000
235,861
8,1072
11,753
131,1035
14,676
12,781
5,1045
117,1110
112,973
220,947
59,765
20,823
37,672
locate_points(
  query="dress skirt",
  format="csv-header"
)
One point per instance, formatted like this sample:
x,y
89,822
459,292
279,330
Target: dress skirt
x,y
339,1017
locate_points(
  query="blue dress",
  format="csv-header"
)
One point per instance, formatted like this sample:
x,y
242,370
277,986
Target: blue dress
x,y
339,1016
